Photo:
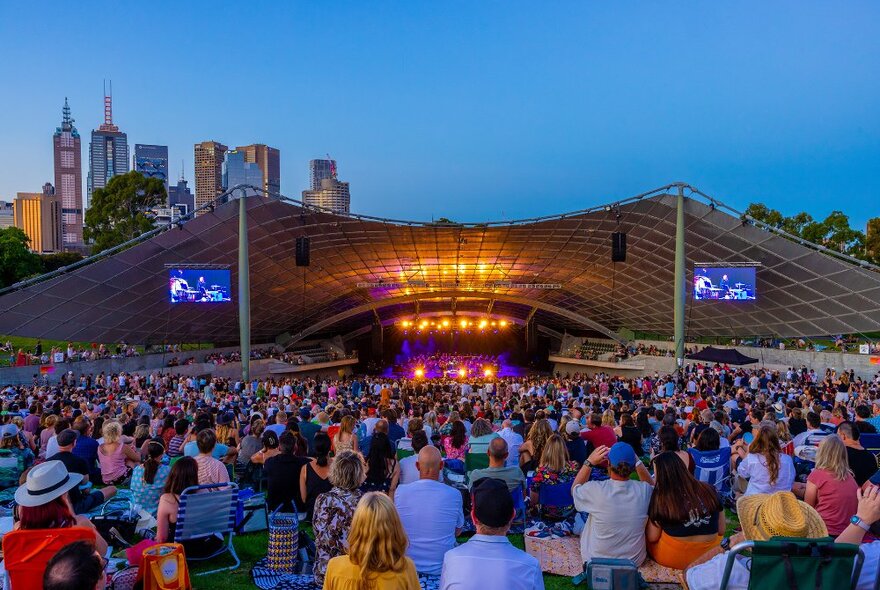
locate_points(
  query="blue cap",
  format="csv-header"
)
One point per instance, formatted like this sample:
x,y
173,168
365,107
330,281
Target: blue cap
x,y
621,453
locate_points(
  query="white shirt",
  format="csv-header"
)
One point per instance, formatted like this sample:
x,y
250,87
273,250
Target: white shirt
x,y
616,526
754,468
408,471
514,441
430,512
707,576
490,562
52,447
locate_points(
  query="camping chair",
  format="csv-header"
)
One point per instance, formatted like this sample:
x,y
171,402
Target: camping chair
x,y
476,461
404,453
555,495
871,442
519,504
26,552
818,563
713,467
206,510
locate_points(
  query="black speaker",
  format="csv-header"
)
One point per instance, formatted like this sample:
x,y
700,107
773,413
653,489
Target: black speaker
x,y
618,247
302,251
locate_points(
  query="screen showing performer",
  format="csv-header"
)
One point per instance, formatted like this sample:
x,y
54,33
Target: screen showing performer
x,y
199,285
722,283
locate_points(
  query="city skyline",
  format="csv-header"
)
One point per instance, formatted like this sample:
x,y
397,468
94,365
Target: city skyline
x,y
434,114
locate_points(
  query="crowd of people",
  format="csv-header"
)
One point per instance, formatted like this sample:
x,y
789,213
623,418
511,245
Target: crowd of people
x,y
381,468
69,354
451,364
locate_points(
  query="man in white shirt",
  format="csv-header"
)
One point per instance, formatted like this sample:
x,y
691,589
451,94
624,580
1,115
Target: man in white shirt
x,y
409,471
431,513
513,440
618,507
489,561
814,433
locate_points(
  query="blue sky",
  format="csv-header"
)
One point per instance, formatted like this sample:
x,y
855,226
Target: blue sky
x,y
471,110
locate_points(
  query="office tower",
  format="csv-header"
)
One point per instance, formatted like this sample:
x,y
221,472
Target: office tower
x,y
152,162
68,180
108,151
319,170
268,159
332,195
39,215
208,157
181,197
237,171
7,218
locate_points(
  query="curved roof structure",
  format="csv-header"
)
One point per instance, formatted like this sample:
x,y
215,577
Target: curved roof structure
x,y
555,269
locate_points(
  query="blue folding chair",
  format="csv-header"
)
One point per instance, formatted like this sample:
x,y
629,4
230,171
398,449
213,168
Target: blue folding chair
x,y
713,467
558,495
208,510
871,442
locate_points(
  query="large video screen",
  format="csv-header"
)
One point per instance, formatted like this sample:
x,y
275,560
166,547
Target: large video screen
x,y
724,284
199,285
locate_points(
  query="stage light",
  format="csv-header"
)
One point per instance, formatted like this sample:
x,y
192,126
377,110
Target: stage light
x,y
462,372
503,323
420,373
424,324
483,324
463,323
445,323
405,323
487,373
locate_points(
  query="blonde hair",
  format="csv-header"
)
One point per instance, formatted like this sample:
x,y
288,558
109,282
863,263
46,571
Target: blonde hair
x,y
555,455
538,434
832,457
782,431
51,421
608,418
142,431
565,420
376,541
347,470
346,425
111,431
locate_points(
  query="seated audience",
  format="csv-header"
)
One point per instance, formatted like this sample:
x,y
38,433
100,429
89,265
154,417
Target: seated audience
x,y
577,448
499,468
455,445
831,488
283,477
335,509
313,478
555,469
481,435
408,470
862,462
148,479
383,472
15,458
376,556
211,470
488,560
115,457
431,513
81,499
761,464
78,566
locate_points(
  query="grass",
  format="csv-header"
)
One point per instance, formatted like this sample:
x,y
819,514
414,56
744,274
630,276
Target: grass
x,y
252,546
28,345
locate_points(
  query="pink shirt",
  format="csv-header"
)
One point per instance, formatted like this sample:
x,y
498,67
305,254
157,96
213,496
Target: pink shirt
x,y
211,470
837,500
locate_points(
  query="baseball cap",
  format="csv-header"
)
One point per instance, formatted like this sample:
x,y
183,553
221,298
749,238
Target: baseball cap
x,y
621,453
493,504
9,431
572,427
67,437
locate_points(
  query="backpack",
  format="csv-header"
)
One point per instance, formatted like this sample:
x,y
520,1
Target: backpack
x,y
610,574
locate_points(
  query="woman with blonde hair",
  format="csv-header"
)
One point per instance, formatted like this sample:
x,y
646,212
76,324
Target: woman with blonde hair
x,y
345,439
530,451
608,419
115,457
555,469
47,433
377,545
831,488
782,432
762,463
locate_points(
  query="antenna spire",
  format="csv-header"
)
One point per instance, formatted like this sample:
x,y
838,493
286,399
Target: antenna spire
x,y
108,110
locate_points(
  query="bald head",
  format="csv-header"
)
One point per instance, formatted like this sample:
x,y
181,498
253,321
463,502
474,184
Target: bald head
x,y
497,452
429,462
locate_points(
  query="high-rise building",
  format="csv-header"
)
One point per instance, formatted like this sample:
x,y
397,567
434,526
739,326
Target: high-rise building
x,y
332,195
68,180
7,217
181,197
39,215
108,151
208,157
319,170
152,162
268,159
237,171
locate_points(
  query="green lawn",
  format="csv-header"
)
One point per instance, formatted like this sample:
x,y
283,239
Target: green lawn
x,y
28,344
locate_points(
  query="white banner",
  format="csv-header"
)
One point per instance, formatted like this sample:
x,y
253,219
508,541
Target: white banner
x,y
864,348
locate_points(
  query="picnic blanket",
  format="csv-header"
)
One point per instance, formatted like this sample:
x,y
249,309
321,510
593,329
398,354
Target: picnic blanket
x,y
122,499
266,578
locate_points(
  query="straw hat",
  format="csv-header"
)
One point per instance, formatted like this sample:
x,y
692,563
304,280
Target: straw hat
x,y
45,482
778,515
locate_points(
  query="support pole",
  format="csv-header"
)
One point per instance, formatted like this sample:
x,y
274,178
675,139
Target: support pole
x,y
680,287
244,291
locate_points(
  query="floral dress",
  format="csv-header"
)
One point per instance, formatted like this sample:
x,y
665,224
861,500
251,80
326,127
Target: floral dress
x,y
331,522
452,452
548,477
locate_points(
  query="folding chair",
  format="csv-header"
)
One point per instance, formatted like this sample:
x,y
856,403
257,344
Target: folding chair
x,y
558,495
476,461
519,504
815,563
26,553
206,510
713,467
871,442
404,453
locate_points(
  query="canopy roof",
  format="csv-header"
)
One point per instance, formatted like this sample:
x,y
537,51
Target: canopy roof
x,y
726,356
556,270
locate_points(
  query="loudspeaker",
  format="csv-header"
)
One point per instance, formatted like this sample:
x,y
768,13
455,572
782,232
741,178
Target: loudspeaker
x,y
618,247
302,251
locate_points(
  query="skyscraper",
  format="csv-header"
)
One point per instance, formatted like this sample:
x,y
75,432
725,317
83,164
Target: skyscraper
x,y
7,218
152,162
269,161
39,215
68,180
332,195
208,157
319,170
108,151
181,197
237,170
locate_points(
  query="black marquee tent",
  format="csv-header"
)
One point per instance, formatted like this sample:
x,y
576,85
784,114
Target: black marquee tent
x,y
725,356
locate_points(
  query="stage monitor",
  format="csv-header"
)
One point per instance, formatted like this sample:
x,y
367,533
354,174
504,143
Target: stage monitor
x,y
724,283
189,285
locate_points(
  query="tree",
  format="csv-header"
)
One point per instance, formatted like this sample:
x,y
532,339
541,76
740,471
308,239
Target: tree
x,y
16,260
57,260
872,239
119,212
764,214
